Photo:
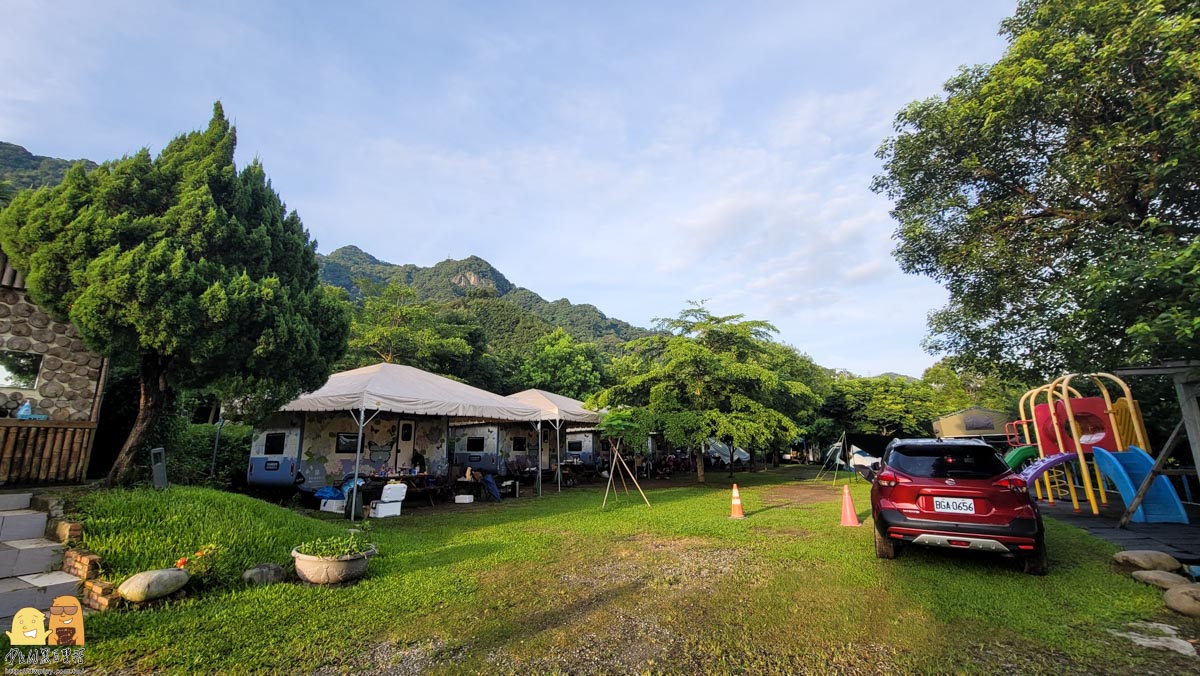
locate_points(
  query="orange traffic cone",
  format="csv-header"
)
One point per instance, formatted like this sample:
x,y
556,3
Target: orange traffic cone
x,y
736,513
849,516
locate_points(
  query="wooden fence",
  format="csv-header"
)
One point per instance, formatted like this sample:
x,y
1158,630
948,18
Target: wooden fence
x,y
44,451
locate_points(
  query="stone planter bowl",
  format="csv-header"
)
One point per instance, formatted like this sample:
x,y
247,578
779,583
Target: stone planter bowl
x,y
332,570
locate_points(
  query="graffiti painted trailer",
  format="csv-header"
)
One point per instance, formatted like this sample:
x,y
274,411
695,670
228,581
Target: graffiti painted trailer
x,y
370,421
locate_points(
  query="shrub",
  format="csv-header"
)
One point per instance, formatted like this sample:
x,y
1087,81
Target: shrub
x,y
190,463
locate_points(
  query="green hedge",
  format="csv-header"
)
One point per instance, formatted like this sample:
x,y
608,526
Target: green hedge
x,y
192,461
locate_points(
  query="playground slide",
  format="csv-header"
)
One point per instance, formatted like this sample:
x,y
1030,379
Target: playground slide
x,y
1127,470
1017,457
1031,473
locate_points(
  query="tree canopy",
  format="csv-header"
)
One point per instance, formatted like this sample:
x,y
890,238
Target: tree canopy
x,y
559,364
882,405
390,326
1054,193
708,376
187,262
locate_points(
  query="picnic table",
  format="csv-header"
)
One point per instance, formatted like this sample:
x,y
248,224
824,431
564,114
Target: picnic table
x,y
419,485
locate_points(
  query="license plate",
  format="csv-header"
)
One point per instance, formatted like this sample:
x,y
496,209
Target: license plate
x,y
954,505
272,465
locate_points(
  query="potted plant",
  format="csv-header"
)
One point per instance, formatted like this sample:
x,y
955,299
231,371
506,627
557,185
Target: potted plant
x,y
335,559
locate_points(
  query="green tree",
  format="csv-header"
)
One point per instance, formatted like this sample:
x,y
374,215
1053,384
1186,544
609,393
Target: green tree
x,y
949,392
7,193
957,385
883,405
1054,192
391,326
192,265
704,377
559,364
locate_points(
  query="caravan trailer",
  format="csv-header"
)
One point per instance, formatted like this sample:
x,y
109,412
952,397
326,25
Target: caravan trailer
x,y
275,452
497,448
307,450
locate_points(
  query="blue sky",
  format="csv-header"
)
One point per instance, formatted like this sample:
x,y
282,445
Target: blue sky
x,y
630,155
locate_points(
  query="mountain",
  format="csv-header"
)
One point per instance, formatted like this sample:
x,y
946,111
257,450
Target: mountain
x,y
476,286
25,170
901,376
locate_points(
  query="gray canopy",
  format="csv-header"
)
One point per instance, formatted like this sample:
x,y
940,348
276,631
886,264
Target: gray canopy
x,y
555,406
404,389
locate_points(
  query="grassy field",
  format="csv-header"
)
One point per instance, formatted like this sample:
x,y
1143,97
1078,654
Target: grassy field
x,y
555,584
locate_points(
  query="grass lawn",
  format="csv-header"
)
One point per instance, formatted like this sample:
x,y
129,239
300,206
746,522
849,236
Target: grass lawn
x,y
554,584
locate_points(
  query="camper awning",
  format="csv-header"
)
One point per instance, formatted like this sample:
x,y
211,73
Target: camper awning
x,y
553,406
404,389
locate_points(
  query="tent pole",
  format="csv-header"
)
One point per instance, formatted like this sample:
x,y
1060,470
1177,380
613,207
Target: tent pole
x,y
539,459
558,451
361,420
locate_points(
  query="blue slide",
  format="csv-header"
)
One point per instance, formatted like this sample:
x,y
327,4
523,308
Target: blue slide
x,y
1127,470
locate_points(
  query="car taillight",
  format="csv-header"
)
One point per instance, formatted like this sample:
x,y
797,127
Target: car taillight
x,y
890,478
1013,483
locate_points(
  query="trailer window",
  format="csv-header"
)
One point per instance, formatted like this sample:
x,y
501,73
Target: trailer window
x,y
347,442
274,443
474,444
519,444
574,446
406,431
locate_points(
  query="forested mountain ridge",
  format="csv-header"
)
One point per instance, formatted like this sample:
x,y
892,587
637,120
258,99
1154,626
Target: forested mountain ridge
x,y
467,283
25,170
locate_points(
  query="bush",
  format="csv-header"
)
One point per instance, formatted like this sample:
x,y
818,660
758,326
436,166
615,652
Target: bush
x,y
191,463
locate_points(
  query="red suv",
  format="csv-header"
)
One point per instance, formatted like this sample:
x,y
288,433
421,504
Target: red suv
x,y
954,493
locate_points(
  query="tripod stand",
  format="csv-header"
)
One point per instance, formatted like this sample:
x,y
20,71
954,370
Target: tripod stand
x,y
619,465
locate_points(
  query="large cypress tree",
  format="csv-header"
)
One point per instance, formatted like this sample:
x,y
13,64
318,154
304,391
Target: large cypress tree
x,y
195,267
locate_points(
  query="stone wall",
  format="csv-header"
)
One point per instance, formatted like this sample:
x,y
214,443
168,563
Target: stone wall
x,y
70,373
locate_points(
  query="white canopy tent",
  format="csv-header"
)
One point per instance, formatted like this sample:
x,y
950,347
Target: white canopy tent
x,y
395,388
556,410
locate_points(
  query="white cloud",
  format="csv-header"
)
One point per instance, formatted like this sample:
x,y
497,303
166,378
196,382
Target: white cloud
x,y
633,157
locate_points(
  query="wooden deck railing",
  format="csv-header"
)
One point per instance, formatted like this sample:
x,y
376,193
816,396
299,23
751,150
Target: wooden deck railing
x,y
44,451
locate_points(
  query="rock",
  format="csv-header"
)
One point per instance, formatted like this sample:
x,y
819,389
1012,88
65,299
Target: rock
x,y
1147,559
1153,628
153,584
1160,578
264,573
1158,642
1184,599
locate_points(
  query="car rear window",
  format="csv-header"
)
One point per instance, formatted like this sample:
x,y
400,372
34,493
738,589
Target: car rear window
x,y
943,461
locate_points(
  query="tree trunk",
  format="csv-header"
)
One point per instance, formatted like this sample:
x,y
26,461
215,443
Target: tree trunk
x,y
152,375
699,458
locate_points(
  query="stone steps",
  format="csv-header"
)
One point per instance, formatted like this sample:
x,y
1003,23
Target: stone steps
x,y
26,557
21,524
10,501
30,564
34,591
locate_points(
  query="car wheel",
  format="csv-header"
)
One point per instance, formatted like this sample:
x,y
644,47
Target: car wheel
x,y
885,548
1037,563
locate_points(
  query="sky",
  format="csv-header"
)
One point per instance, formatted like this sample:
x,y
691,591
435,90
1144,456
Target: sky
x,y
631,155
